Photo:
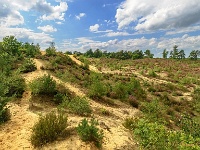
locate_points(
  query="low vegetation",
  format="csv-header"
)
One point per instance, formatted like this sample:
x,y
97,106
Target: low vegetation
x,y
165,91
48,128
77,105
88,131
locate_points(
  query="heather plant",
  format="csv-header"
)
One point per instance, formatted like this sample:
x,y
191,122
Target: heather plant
x,y
88,131
78,105
48,128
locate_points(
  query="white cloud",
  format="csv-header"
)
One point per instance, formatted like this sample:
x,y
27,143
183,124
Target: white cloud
x,y
113,34
184,30
157,15
156,45
78,17
10,11
27,35
94,28
47,28
57,12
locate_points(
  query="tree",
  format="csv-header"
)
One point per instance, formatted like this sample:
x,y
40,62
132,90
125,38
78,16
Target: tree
x,y
194,54
11,45
30,50
174,53
51,51
165,53
148,54
138,54
89,53
181,54
98,53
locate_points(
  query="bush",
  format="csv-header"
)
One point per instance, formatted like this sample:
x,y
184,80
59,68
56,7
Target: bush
x,y
48,128
79,106
156,136
43,85
97,90
4,111
15,84
152,73
120,91
89,131
28,66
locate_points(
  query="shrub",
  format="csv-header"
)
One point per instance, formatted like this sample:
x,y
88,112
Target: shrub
x,y
97,90
152,73
15,84
89,131
78,105
4,111
48,128
120,91
156,136
43,85
28,66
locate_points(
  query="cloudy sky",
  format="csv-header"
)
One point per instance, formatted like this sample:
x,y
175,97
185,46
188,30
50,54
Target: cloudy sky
x,y
112,25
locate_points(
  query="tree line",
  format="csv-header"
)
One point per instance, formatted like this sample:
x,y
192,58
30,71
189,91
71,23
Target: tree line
x,y
139,54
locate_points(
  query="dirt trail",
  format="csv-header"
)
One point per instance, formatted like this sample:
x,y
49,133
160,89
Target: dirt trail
x,y
91,68
15,134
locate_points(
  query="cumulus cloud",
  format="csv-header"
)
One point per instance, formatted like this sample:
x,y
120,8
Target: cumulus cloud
x,y
47,28
157,15
78,17
156,45
9,16
27,35
57,12
10,11
94,28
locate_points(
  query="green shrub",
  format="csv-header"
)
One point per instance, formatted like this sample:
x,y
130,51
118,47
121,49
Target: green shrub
x,y
28,66
78,105
15,84
89,131
43,85
190,126
48,128
4,111
97,90
152,73
120,91
155,136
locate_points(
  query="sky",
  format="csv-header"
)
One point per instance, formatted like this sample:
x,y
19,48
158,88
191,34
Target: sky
x,y
111,25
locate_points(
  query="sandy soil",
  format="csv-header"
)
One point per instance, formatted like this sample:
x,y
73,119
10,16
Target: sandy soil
x,y
15,134
91,68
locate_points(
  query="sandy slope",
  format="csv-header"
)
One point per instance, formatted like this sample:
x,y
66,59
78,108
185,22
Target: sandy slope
x,y
15,134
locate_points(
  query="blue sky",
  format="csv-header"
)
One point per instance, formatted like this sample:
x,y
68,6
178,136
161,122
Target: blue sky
x,y
112,25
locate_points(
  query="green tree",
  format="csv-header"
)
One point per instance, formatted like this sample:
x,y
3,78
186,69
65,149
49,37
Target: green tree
x,y
51,51
181,54
148,54
138,54
89,53
165,53
194,54
11,45
98,53
175,52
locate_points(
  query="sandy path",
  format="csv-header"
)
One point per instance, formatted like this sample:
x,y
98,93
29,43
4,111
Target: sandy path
x,y
91,68
15,134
